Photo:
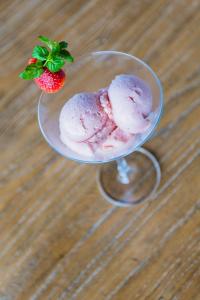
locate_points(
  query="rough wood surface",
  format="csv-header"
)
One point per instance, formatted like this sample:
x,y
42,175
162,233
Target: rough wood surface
x,y
58,238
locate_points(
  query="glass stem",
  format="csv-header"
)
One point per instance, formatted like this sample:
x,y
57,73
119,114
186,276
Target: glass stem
x,y
123,171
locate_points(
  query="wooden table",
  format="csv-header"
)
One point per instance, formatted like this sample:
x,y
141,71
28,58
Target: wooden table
x,y
59,238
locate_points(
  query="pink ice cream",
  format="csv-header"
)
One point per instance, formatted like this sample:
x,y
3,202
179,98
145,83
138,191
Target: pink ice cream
x,y
131,102
105,124
86,126
82,116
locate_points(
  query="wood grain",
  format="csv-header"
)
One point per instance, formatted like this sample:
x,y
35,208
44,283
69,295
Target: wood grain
x,y
58,238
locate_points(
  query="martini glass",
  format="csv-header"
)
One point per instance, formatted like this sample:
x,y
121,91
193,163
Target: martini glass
x,y
132,176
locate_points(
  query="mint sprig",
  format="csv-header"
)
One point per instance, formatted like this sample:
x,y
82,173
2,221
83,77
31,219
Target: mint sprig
x,y
53,58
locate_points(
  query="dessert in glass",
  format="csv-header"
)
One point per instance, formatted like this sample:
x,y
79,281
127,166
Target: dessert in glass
x,y
108,108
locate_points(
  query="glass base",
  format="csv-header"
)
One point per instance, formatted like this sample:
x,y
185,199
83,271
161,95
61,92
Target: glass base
x,y
130,181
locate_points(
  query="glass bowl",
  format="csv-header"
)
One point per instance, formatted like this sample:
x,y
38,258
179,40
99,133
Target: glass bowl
x,y
122,182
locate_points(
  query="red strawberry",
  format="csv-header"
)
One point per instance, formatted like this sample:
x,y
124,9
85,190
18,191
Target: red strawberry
x,y
51,82
48,81
32,61
45,65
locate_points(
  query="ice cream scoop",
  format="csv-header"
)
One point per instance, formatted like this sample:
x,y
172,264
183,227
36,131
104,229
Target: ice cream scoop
x,y
131,101
82,116
84,124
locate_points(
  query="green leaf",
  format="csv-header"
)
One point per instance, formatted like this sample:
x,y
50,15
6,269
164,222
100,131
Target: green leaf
x,y
70,59
40,53
39,63
53,45
43,38
32,71
66,55
63,44
55,64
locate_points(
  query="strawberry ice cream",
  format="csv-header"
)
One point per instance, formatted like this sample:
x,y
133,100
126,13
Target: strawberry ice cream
x,y
82,117
131,101
106,124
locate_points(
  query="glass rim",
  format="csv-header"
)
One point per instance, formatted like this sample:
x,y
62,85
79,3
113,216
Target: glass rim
x,y
161,104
